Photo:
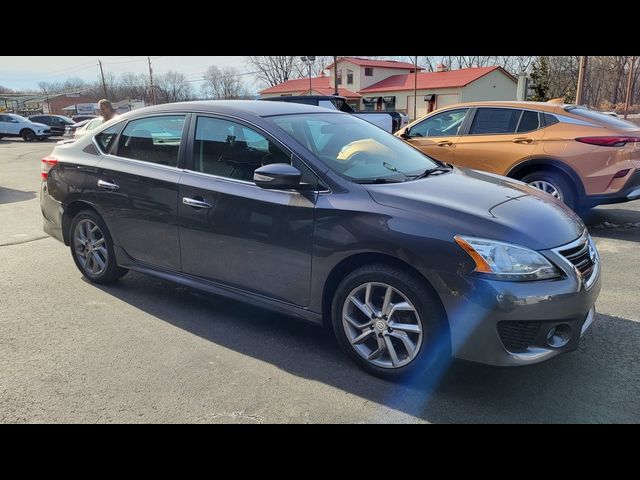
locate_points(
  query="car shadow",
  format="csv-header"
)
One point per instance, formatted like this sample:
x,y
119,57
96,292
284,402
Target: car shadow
x,y
615,223
9,195
597,383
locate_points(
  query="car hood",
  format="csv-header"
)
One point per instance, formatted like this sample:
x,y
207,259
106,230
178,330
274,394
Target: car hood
x,y
473,203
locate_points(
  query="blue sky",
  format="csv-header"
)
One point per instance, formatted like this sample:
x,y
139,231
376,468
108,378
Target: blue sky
x,y
26,71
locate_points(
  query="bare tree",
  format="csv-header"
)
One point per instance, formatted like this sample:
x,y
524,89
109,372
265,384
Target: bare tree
x,y
318,66
173,87
273,70
5,90
223,83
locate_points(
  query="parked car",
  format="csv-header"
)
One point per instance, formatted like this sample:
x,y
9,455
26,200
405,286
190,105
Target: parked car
x,y
388,121
583,157
57,123
70,130
12,125
82,118
87,127
323,216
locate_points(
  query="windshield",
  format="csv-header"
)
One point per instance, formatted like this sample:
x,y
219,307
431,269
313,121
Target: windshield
x,y
20,118
355,148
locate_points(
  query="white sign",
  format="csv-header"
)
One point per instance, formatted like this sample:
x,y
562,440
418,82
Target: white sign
x,y
85,108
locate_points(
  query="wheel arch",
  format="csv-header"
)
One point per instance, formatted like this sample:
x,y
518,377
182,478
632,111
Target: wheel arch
x,y
537,164
349,264
71,211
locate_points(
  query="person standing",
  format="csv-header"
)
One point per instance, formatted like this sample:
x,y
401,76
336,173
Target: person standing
x,y
107,112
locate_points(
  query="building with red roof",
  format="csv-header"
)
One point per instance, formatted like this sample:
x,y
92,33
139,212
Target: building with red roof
x,y
389,85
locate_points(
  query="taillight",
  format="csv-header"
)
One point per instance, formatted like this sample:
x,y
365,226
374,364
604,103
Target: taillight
x,y
46,165
614,141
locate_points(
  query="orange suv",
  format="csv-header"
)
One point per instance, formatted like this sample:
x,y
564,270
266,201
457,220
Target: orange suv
x,y
584,158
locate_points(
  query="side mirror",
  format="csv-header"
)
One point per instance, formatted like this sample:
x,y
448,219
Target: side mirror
x,y
405,133
280,176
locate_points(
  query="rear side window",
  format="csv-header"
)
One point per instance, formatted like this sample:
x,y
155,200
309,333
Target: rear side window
x,y
489,121
106,138
153,139
528,122
550,120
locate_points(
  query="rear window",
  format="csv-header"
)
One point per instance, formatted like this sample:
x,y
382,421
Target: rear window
x,y
608,120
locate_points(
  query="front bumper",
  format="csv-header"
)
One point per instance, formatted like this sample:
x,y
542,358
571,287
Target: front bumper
x,y
506,323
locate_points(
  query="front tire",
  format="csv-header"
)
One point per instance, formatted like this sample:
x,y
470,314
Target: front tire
x,y
92,248
28,135
554,184
390,322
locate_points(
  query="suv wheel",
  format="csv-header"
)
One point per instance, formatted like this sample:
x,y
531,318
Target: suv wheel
x,y
389,322
92,248
28,135
554,184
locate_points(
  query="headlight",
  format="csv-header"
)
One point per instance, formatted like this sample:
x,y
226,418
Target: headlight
x,y
504,261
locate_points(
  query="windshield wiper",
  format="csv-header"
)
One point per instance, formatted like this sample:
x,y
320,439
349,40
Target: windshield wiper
x,y
378,180
433,171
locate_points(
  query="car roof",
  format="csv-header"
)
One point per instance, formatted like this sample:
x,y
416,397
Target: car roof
x,y
238,107
549,107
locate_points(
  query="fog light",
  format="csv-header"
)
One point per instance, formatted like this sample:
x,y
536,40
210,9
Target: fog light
x,y
559,336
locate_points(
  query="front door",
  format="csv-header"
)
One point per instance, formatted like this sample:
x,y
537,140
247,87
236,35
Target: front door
x,y
438,134
137,189
234,232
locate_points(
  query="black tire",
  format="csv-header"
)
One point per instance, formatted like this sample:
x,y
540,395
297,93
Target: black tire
x,y
434,352
28,135
558,181
110,272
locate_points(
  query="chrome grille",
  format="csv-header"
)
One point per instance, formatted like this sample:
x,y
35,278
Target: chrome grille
x,y
582,255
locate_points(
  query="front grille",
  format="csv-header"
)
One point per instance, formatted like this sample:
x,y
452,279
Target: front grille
x,y
517,336
580,257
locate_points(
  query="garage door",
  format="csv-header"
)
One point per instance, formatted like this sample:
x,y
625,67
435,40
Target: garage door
x,y
447,99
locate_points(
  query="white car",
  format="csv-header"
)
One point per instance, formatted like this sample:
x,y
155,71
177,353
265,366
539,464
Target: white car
x,y
90,125
12,125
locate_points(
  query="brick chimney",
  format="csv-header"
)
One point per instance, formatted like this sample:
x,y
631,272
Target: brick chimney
x,y
441,67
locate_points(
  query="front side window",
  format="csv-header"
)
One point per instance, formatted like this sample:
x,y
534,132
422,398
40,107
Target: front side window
x,y
153,139
231,150
493,121
440,125
354,147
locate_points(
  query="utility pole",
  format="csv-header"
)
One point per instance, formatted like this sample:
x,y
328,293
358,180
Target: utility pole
x,y
104,85
415,89
153,91
335,76
581,74
629,84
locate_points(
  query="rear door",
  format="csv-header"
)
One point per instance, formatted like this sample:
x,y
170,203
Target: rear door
x,y
438,134
498,138
137,189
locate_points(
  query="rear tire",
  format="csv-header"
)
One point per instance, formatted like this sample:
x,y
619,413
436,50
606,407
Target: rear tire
x,y
92,248
554,184
409,337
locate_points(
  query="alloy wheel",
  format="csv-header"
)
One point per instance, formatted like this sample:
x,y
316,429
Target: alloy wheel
x,y
546,187
90,247
382,325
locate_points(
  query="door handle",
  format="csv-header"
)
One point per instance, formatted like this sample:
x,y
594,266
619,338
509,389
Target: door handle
x,y
445,143
192,202
108,185
522,140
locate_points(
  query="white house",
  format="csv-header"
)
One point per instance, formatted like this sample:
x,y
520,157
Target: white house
x,y
389,85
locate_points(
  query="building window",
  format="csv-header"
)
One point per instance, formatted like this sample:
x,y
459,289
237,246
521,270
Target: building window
x,y
349,77
368,72
339,77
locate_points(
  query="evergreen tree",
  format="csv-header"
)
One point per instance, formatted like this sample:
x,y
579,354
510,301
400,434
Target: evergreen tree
x,y
540,78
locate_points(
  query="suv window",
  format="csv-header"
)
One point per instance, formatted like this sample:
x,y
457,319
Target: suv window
x,y
153,139
231,150
441,125
488,121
